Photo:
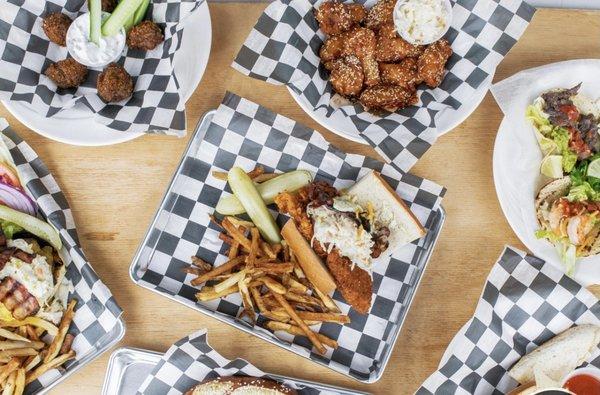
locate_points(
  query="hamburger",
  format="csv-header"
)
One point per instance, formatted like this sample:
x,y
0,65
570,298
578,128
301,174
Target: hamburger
x,y
240,385
349,230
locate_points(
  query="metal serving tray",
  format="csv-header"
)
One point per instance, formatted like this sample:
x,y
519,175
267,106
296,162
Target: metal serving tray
x,y
128,368
146,250
109,340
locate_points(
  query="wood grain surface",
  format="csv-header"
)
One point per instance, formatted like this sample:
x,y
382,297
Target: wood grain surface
x,y
114,192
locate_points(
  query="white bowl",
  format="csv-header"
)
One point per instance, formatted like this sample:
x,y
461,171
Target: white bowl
x,y
77,43
402,25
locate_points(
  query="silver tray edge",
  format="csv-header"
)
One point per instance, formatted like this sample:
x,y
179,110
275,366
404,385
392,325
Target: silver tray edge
x,y
112,379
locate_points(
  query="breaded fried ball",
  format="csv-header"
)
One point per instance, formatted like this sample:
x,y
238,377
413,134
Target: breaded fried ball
x,y
347,76
334,17
55,26
67,73
109,5
388,97
114,83
146,36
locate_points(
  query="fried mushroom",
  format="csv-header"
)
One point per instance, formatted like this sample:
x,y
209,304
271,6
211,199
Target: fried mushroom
x,y
114,83
67,73
55,26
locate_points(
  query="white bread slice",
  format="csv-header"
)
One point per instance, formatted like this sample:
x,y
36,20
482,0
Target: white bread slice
x,y
309,261
389,209
558,356
240,385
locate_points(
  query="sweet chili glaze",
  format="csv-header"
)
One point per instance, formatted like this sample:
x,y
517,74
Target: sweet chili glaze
x,y
583,384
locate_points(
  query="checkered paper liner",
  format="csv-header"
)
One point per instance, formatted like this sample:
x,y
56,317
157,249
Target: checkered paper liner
x,y
97,313
525,302
246,134
283,48
155,106
192,360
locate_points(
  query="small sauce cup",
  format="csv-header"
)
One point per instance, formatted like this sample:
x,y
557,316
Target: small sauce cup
x,y
86,52
421,31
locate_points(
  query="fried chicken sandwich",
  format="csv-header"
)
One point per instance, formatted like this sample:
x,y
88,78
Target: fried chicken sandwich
x,y
348,230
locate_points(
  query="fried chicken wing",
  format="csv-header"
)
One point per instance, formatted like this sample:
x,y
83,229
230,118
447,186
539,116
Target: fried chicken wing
x,y
361,43
331,50
347,76
381,13
404,73
393,48
354,283
334,17
433,61
358,12
388,97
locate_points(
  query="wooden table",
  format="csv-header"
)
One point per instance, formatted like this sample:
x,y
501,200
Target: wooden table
x,y
114,192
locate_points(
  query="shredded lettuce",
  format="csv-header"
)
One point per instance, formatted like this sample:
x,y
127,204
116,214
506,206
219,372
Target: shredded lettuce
x,y
568,255
546,234
561,137
537,116
9,229
583,192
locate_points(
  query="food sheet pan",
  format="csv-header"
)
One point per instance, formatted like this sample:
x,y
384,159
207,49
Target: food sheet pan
x,y
128,367
142,276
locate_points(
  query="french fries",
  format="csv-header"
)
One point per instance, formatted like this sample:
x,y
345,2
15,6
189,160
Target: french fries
x,y
269,281
24,357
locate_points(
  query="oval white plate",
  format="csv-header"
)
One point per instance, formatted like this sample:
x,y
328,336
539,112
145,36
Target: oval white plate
x,y
75,126
446,120
517,157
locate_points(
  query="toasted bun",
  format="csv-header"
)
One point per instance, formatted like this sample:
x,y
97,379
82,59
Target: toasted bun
x,y
558,356
240,385
389,208
310,263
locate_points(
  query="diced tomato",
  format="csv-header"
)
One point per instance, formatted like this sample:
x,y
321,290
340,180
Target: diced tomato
x,y
570,111
577,145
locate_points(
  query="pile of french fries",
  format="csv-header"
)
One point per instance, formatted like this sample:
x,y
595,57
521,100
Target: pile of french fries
x,y
24,356
269,279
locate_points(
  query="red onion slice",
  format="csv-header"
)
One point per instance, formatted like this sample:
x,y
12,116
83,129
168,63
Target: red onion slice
x,y
17,199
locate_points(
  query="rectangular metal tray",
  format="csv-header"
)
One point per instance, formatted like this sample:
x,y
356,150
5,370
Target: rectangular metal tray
x,y
111,339
146,250
128,368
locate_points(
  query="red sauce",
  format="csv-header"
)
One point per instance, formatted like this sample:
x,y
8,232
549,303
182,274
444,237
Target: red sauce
x,y
583,384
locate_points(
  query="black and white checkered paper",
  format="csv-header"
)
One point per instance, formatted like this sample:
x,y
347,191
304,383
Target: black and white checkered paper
x,y
97,314
525,302
246,134
283,48
155,106
192,360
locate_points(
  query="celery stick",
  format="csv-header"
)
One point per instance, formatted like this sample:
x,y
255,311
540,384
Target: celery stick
x,y
124,10
140,13
95,7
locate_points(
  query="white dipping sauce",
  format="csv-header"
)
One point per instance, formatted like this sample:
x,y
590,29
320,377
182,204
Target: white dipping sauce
x,y
86,52
422,21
